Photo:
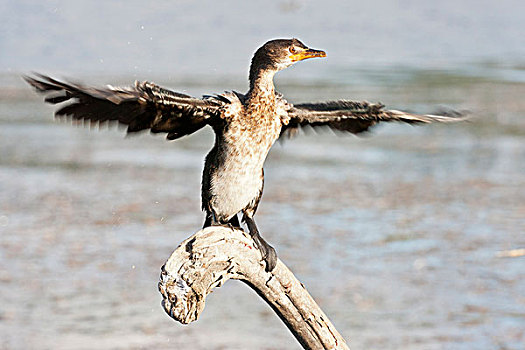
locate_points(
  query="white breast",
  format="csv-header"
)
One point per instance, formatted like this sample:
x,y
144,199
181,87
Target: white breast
x,y
237,179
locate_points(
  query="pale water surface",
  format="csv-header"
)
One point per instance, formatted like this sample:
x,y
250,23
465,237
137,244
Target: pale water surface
x,y
395,234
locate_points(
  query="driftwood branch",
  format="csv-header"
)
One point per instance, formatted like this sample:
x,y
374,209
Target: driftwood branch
x,y
215,254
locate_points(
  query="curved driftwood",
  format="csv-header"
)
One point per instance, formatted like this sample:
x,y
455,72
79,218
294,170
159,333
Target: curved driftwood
x,y
215,254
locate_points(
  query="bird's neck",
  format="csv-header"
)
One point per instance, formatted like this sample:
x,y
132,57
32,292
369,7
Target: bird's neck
x,y
261,84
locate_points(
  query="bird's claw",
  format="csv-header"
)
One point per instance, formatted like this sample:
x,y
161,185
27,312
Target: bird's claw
x,y
269,255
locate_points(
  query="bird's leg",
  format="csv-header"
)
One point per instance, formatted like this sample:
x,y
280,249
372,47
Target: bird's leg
x,y
268,253
211,220
234,222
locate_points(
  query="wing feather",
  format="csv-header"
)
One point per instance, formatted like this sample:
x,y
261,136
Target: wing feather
x,y
355,116
140,107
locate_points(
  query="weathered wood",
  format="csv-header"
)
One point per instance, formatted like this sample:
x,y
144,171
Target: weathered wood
x,y
215,254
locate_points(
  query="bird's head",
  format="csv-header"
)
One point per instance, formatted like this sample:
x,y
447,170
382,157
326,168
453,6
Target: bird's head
x,y
279,54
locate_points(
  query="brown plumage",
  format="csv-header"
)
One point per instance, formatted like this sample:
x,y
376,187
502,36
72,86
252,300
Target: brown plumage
x,y
246,126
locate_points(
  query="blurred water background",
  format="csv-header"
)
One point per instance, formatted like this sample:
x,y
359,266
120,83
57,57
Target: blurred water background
x,y
396,234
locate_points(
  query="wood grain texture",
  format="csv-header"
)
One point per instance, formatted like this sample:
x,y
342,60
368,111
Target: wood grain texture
x,y
215,254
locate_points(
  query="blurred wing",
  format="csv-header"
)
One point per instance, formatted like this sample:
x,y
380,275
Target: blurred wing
x,y
143,106
354,117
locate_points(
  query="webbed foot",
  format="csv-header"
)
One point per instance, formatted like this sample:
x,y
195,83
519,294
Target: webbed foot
x,y
268,253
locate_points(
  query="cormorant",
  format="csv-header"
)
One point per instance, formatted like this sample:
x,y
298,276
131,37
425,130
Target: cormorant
x,y
245,125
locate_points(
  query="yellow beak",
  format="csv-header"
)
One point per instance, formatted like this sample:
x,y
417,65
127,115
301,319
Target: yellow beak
x,y
308,53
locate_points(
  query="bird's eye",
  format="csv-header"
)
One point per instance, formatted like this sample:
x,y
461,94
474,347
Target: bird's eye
x,y
292,49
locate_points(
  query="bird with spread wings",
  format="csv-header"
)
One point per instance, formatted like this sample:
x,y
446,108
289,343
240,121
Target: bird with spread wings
x,y
246,125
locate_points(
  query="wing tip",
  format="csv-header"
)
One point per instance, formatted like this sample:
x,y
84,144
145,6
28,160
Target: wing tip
x,y
449,115
42,83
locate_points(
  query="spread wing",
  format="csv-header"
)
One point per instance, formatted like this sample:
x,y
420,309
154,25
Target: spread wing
x,y
140,107
354,117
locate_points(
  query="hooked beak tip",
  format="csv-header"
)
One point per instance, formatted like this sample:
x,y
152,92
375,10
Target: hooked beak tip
x,y
309,53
